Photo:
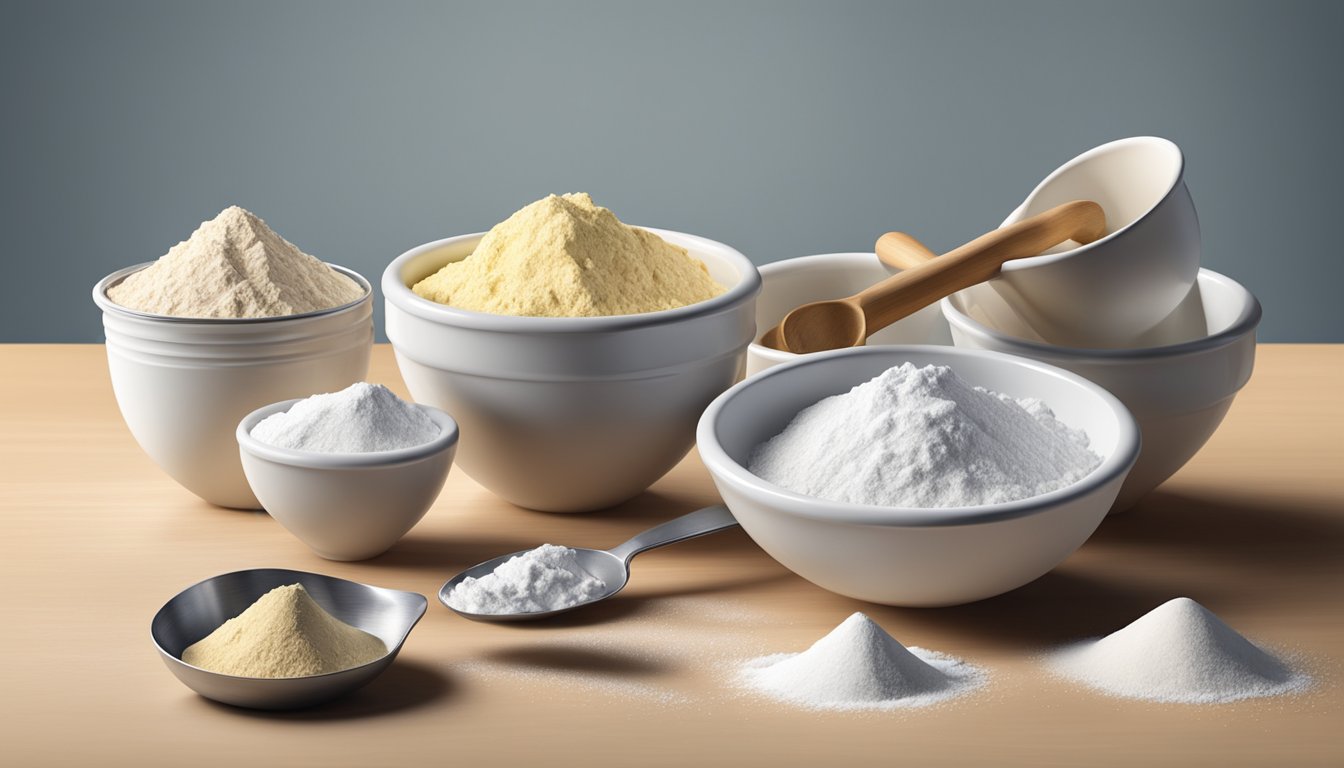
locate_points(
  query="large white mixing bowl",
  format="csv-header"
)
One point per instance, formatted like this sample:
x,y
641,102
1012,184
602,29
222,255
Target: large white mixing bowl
x,y
183,384
902,556
576,413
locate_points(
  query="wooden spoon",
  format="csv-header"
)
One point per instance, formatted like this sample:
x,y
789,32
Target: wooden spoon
x,y
847,322
896,250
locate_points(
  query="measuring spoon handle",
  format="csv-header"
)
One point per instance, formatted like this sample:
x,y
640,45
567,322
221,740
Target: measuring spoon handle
x,y
698,523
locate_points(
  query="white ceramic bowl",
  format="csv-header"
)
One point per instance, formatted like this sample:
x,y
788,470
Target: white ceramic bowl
x,y
1179,384
791,282
1110,291
347,506
183,383
571,414
913,557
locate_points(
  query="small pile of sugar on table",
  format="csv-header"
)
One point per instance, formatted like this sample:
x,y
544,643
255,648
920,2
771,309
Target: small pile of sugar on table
x,y
859,666
1177,652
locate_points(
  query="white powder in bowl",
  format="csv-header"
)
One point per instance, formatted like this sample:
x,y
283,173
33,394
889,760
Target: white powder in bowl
x,y
547,578
1177,652
923,437
859,666
362,418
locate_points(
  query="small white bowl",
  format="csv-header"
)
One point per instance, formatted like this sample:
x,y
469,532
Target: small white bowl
x,y
791,282
1179,384
902,556
182,384
347,506
1114,289
571,414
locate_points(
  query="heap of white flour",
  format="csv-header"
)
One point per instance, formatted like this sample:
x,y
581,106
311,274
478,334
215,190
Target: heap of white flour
x,y
547,578
361,418
1177,652
859,666
234,266
923,437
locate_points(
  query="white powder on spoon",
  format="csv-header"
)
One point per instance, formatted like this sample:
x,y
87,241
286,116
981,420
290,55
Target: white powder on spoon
x,y
923,437
1177,652
859,666
547,578
362,418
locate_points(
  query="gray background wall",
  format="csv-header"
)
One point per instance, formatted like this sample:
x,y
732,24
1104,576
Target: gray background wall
x,y
358,130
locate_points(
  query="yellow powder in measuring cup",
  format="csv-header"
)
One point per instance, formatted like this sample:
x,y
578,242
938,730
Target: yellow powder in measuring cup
x,y
564,256
284,634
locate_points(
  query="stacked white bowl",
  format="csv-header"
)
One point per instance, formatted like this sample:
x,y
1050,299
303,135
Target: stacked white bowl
x,y
1178,376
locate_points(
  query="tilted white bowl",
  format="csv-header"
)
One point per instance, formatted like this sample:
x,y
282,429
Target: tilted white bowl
x,y
1120,286
913,557
1179,385
577,413
182,384
791,282
347,506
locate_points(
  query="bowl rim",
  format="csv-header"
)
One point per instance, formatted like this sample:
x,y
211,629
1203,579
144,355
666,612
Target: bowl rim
x,y
391,650
397,293
1113,467
106,304
446,439
1247,320
1045,259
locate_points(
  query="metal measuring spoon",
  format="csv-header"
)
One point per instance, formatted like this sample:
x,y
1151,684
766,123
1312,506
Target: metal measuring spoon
x,y
612,566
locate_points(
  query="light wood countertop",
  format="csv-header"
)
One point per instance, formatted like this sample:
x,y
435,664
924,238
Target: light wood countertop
x,y
99,538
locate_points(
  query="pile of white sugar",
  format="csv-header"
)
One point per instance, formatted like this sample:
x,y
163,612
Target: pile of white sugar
x,y
923,437
859,666
234,266
547,578
362,418
1178,652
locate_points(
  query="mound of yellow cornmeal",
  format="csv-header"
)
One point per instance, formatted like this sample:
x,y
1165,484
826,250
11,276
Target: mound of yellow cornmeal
x,y
564,256
284,634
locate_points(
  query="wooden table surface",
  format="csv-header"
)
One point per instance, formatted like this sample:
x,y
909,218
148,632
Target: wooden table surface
x,y
99,538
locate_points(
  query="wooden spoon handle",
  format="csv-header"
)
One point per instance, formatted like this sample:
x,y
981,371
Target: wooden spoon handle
x,y
977,261
901,251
